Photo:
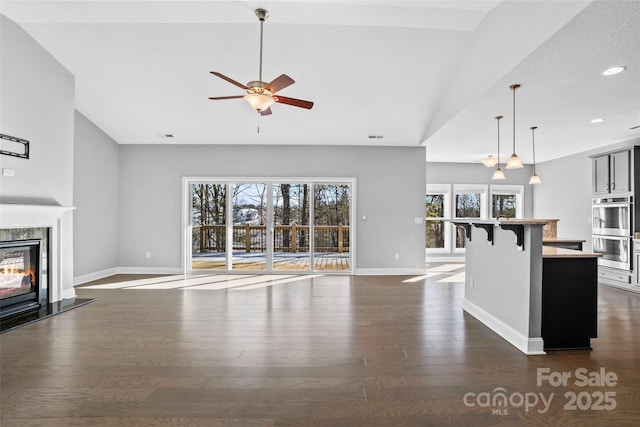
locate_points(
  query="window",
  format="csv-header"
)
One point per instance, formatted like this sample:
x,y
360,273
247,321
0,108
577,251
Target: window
x,y
444,203
506,200
437,214
470,203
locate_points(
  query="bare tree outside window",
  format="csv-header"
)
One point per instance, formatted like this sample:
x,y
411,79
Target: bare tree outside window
x,y
435,226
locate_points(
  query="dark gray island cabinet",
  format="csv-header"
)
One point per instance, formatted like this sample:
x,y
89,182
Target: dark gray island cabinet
x,y
569,299
536,297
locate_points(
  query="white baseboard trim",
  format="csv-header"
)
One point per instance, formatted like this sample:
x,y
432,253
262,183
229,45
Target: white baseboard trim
x,y
79,280
150,270
529,346
390,272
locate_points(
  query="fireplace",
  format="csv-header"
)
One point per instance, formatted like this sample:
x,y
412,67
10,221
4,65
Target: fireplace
x,y
21,277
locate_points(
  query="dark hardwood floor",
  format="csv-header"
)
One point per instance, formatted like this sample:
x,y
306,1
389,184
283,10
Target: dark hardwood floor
x,y
298,351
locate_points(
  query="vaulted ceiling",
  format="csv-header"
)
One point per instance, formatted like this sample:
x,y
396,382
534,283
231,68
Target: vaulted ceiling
x,y
409,72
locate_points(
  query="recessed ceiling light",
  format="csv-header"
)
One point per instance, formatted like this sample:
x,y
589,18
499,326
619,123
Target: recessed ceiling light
x,y
614,70
598,120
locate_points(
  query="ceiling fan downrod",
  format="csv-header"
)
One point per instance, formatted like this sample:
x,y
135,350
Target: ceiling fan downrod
x,y
262,15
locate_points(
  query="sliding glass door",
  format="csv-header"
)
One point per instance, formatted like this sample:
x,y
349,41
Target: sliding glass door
x,y
267,225
208,226
291,239
249,203
332,212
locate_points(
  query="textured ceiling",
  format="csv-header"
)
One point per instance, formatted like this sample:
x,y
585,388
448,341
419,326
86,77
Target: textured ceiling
x,y
415,72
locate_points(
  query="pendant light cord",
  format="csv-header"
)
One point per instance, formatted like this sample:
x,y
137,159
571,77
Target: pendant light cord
x,y
533,146
514,87
498,121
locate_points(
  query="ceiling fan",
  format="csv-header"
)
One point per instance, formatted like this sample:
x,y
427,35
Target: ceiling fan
x,y
261,95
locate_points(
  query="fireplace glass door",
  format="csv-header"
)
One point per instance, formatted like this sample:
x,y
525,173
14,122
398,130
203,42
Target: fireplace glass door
x,y
19,276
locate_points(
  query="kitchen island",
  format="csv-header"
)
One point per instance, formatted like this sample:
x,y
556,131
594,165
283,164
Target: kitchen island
x,y
537,298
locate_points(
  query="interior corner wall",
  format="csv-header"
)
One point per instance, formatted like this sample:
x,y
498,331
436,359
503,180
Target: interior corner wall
x,y
565,192
389,191
37,96
95,195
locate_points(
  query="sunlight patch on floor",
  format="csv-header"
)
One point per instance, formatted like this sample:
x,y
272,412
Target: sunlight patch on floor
x,y
445,267
276,282
205,282
455,278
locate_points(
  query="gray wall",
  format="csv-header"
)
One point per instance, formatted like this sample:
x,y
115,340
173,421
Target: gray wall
x,y
37,104
95,194
389,191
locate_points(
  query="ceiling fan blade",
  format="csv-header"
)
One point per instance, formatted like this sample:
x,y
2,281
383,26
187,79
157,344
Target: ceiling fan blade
x,y
295,102
279,83
230,80
217,98
266,112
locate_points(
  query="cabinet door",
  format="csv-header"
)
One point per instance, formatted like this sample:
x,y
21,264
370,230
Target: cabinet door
x,y
601,174
620,172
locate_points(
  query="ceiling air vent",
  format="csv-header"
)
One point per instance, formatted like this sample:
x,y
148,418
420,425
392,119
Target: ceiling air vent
x,y
635,127
376,136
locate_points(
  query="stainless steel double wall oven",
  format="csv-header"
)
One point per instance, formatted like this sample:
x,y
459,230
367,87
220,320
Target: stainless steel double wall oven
x,y
612,234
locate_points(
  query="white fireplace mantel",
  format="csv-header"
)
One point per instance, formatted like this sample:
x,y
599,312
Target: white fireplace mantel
x,y
60,239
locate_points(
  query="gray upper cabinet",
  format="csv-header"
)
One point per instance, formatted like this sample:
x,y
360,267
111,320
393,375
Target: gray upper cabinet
x,y
612,173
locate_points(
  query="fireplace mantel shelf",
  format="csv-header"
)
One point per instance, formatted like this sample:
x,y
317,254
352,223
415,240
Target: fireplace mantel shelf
x,y
17,207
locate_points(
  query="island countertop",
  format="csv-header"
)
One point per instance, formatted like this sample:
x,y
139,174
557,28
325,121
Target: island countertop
x,y
555,252
523,221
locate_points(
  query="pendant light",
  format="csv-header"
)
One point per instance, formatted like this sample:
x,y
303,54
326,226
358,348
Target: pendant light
x,y
535,179
514,161
498,174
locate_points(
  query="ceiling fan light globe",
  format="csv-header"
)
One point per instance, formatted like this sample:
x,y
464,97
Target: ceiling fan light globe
x,y
490,161
259,102
514,162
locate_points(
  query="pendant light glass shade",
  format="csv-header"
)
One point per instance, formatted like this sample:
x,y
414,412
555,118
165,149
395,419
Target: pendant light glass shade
x,y
490,161
514,161
535,179
498,174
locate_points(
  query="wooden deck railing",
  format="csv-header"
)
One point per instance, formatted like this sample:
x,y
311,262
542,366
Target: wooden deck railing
x,y
286,238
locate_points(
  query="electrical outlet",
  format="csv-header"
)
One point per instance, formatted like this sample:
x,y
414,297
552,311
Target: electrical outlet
x,y
396,256
148,255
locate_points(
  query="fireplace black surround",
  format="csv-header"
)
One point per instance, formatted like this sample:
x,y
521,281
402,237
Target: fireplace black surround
x,y
20,277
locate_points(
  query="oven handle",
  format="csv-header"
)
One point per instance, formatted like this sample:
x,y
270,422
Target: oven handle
x,y
608,237
612,205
